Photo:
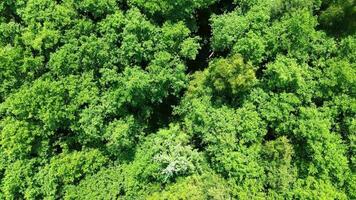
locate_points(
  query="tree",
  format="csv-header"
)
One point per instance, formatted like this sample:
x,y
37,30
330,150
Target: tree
x,y
163,99
338,17
172,10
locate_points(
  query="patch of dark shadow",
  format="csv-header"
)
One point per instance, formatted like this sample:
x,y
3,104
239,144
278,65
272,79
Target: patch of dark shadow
x,y
9,13
204,31
271,134
197,143
123,5
261,69
163,113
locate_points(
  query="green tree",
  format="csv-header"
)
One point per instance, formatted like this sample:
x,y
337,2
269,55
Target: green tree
x,y
162,99
172,10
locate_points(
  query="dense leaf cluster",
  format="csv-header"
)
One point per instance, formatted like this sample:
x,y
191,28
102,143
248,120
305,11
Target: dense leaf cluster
x,y
106,99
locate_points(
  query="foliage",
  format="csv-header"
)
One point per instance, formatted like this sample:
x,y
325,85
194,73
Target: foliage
x,y
162,99
172,10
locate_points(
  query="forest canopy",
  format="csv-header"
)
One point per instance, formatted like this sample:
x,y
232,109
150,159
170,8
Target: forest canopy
x,y
177,99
